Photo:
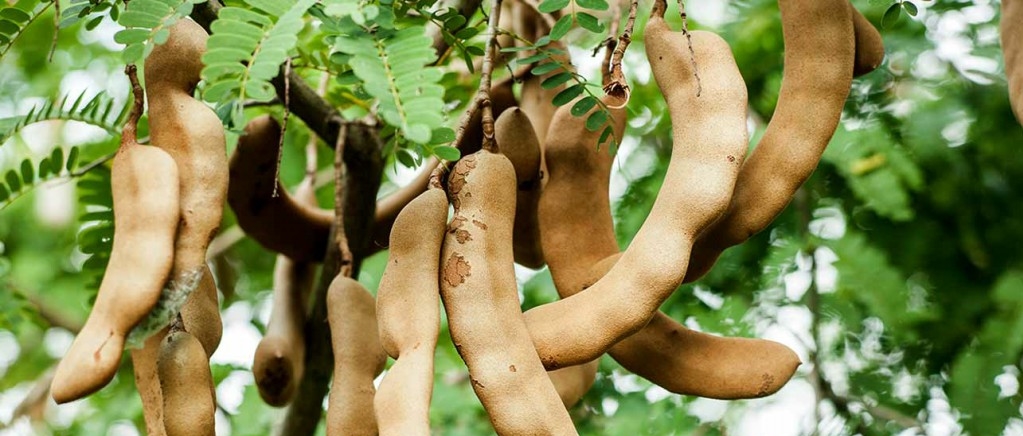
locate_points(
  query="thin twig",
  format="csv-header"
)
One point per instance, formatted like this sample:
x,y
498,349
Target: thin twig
x,y
612,32
486,75
129,135
56,30
617,86
340,238
689,40
284,125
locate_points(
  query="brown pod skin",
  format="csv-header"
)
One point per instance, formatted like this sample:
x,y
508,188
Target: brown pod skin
x,y
709,136
147,382
480,296
358,358
869,46
520,144
408,311
1011,28
815,85
144,187
280,357
193,135
280,224
187,386
574,213
688,362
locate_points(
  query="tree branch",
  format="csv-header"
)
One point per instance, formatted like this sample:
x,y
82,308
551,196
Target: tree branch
x,y
486,75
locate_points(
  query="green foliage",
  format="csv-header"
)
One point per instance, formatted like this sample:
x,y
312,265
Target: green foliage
x,y
97,111
246,49
18,181
147,23
15,18
96,232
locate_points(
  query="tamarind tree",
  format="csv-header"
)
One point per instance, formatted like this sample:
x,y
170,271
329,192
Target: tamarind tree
x,y
870,231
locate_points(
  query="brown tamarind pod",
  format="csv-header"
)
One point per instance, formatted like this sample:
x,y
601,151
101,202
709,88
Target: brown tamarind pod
x,y
869,46
144,188
358,358
709,136
815,85
480,297
279,361
502,97
574,214
688,362
193,135
186,386
408,311
281,224
519,143
1011,29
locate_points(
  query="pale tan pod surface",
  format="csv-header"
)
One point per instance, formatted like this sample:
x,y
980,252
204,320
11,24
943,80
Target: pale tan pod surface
x,y
688,362
187,386
709,137
408,311
280,356
144,188
869,46
520,144
1011,28
193,135
358,359
480,296
815,85
147,382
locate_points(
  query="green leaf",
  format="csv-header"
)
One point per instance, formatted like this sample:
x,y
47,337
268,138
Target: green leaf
x,y
599,5
545,68
549,6
583,106
442,135
556,80
4,193
13,181
910,8
27,171
568,94
589,22
447,153
44,167
561,27
891,15
57,159
596,120
605,135
72,158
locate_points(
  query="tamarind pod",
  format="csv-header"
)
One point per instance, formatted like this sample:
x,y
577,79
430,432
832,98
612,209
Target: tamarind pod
x,y
358,358
147,382
408,311
574,214
279,361
193,135
688,362
709,135
477,285
1011,29
519,143
279,223
816,76
390,207
186,385
144,188
869,46
502,98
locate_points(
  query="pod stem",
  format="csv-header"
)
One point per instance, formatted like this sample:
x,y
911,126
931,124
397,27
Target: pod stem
x,y
129,134
340,238
284,125
483,94
615,84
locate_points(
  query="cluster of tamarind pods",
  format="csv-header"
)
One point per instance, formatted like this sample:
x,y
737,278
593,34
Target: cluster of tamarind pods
x,y
536,195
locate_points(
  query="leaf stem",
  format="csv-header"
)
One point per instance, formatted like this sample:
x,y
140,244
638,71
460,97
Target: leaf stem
x,y
129,135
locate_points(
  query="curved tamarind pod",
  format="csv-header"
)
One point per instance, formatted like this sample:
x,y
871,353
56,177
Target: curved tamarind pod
x,y
358,358
144,187
479,293
688,362
193,135
390,207
280,357
281,224
816,76
1011,29
520,145
574,215
408,311
187,386
709,143
869,46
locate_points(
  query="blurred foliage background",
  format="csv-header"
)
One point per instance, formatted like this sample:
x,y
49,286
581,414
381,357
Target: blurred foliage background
x,y
896,273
